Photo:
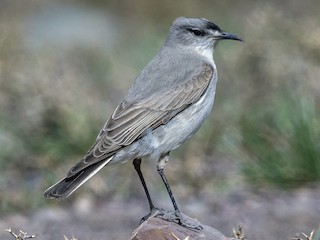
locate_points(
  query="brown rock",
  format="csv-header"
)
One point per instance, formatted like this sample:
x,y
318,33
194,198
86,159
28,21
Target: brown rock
x,y
159,229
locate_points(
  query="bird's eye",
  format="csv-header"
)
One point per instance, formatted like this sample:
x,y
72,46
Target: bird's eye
x,y
196,32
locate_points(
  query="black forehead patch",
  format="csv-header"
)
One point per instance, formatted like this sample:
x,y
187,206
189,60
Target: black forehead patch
x,y
213,26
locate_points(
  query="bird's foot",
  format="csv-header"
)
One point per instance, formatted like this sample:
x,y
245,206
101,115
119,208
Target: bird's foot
x,y
177,217
153,212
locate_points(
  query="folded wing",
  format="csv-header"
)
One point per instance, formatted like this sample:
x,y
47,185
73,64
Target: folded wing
x,y
130,120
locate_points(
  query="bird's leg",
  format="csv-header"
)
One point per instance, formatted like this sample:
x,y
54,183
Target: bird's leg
x,y
175,216
161,164
153,209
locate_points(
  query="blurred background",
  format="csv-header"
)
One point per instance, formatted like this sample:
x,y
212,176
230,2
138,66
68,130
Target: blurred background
x,y
64,66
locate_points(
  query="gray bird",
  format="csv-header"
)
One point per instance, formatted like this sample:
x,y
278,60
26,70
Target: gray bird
x,y
165,106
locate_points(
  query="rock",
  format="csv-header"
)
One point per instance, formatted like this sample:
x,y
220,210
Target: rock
x,y
155,228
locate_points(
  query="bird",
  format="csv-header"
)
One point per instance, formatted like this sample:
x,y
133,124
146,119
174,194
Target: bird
x,y
165,106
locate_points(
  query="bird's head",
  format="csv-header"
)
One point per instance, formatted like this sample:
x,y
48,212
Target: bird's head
x,y
198,33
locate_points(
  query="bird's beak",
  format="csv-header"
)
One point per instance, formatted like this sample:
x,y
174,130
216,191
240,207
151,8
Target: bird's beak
x,y
226,35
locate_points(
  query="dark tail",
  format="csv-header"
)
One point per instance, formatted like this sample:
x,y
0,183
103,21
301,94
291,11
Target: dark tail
x,y
68,185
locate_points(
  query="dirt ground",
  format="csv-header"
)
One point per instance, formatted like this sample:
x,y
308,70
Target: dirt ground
x,y
265,215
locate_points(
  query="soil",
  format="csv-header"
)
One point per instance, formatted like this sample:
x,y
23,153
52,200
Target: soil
x,y
265,215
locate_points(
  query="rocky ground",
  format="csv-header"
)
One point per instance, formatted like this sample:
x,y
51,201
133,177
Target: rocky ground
x,y
265,215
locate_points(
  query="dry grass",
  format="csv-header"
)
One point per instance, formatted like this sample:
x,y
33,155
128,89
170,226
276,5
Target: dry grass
x,y
21,236
73,238
239,234
305,236
24,235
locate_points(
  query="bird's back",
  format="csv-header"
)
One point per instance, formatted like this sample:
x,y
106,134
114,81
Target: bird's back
x,y
168,69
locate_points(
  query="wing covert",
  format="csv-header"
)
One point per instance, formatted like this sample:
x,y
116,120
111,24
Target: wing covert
x,y
130,120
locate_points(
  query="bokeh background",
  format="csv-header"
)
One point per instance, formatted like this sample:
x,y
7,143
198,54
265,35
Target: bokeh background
x,y
64,66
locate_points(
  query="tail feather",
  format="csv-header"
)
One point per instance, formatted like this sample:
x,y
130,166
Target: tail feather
x,y
65,187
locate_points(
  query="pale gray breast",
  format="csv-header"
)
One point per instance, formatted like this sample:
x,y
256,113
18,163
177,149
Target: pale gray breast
x,y
186,123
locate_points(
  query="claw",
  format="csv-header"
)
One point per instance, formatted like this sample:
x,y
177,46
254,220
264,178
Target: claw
x,y
154,211
177,217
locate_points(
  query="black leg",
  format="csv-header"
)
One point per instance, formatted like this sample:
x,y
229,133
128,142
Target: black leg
x,y
165,181
175,216
137,166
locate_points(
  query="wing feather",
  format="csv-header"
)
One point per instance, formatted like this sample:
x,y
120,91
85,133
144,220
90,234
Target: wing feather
x,y
131,120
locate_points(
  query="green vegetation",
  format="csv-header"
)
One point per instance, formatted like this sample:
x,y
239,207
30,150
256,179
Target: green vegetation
x,y
281,140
